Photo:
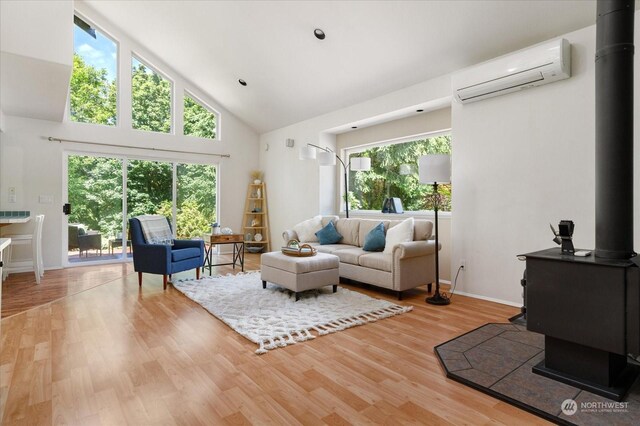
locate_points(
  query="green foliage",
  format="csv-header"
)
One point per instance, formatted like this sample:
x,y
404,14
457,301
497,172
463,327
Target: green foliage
x,y
92,96
198,121
150,99
95,183
384,180
95,193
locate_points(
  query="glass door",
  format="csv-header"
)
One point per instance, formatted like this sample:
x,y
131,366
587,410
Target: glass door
x,y
97,226
94,191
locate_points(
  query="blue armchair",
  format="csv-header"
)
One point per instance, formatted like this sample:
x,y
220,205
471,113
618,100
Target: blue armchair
x,y
164,259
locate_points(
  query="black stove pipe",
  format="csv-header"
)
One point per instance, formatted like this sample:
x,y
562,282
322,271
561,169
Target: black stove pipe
x,y
614,129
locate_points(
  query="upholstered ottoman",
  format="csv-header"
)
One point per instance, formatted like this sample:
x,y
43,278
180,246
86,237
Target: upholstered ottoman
x,y
299,273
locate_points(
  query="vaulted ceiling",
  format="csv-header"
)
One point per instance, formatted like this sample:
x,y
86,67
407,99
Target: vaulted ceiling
x,y
371,47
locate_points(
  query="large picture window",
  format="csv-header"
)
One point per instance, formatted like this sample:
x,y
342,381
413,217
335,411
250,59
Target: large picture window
x,y
93,87
394,173
150,99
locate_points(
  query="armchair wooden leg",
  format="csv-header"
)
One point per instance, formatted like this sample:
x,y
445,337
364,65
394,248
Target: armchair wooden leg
x,y
164,282
140,279
197,273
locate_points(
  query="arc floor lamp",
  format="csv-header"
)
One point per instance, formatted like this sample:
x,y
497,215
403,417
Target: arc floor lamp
x,y
326,157
435,169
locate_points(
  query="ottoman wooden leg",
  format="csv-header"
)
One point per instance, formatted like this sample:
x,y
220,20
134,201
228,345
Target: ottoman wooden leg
x,y
264,284
297,296
335,288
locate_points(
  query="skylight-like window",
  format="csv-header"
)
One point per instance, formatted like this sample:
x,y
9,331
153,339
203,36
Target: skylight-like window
x,y
93,87
150,98
199,120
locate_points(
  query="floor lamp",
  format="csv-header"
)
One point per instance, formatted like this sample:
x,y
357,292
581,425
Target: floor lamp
x,y
434,169
328,158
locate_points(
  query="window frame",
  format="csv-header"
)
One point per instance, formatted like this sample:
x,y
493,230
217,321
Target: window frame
x,y
347,151
186,92
172,105
116,41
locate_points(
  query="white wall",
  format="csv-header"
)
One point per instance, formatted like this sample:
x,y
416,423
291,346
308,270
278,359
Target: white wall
x,y
522,161
33,165
301,189
37,29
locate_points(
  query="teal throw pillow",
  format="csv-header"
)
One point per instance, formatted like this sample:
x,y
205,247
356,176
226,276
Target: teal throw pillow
x,y
328,234
374,241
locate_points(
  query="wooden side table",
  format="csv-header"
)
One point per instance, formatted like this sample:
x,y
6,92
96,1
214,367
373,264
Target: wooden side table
x,y
220,239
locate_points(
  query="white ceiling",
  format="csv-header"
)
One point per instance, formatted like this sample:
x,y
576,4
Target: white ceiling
x,y
372,47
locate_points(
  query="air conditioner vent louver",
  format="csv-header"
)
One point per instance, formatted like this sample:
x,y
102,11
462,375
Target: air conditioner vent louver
x,y
538,65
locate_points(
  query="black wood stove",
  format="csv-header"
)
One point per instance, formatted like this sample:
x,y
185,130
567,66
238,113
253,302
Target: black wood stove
x,y
588,308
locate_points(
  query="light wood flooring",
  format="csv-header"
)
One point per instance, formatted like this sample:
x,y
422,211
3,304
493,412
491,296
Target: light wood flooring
x,y
116,354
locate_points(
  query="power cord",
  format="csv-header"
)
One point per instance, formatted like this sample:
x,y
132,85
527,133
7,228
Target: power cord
x,y
455,281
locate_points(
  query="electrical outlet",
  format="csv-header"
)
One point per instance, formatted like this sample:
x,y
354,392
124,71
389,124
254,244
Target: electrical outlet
x,y
12,194
463,264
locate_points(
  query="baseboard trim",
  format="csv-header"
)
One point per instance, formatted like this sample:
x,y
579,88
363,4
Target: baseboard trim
x,y
489,299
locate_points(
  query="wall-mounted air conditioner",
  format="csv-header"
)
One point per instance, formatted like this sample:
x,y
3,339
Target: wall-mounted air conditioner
x,y
535,66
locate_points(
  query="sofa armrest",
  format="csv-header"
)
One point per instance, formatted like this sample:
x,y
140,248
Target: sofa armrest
x,y
415,249
288,235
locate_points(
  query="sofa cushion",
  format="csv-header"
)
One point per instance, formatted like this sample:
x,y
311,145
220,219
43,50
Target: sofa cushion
x,y
349,229
329,248
366,225
327,219
307,230
328,235
185,253
379,261
401,233
349,255
422,229
375,241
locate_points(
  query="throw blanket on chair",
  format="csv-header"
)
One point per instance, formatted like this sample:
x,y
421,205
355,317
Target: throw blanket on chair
x,y
156,229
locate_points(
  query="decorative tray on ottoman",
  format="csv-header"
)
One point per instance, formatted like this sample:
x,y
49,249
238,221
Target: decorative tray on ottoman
x,y
294,248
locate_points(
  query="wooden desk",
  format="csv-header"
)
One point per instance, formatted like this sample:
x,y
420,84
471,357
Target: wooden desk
x,y
220,239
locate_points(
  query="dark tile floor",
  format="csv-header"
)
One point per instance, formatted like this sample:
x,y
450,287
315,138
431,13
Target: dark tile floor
x,y
497,359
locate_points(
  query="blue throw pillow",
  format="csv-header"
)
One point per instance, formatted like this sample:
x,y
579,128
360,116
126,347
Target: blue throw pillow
x,y
374,241
328,234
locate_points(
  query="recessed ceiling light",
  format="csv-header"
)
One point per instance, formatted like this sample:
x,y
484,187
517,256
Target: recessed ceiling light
x,y
419,110
319,34
242,82
354,127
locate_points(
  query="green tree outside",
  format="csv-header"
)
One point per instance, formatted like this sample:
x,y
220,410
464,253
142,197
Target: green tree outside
x,y
369,189
95,183
198,121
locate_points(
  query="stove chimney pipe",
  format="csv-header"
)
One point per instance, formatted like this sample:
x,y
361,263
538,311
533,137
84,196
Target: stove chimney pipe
x,y
614,129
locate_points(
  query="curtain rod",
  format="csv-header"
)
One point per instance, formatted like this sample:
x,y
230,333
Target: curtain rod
x,y
60,140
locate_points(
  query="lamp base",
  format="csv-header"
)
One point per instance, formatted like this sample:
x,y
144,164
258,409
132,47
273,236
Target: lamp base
x,y
437,299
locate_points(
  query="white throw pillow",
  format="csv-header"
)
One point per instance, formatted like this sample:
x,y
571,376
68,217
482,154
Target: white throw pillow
x,y
307,230
401,233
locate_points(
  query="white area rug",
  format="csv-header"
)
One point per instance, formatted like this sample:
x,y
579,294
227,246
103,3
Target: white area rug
x,y
272,318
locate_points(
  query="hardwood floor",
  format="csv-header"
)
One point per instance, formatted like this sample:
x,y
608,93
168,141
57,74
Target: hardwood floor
x,y
119,354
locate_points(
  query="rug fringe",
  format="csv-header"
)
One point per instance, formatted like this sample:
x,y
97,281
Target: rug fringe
x,y
302,335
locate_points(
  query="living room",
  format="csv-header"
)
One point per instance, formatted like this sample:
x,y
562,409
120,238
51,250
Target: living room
x,y
519,162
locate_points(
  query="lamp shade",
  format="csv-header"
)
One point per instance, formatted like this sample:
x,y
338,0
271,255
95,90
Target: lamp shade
x,y
326,158
360,164
307,153
434,168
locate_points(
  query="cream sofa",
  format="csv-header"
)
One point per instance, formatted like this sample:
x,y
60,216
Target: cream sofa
x,y
411,264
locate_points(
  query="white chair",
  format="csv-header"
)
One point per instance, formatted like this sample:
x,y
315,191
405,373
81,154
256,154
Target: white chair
x,y
35,240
